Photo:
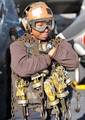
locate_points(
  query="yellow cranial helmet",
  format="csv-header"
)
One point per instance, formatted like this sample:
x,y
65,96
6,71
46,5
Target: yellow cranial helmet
x,y
39,12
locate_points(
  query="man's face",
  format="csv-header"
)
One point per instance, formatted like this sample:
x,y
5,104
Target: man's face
x,y
41,35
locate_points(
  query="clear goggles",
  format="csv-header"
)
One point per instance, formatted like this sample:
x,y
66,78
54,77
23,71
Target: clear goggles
x,y
42,24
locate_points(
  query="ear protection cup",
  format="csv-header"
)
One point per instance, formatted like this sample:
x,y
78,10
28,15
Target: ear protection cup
x,y
26,25
24,19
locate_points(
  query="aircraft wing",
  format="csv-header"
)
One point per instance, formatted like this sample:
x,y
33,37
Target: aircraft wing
x,y
76,28
76,31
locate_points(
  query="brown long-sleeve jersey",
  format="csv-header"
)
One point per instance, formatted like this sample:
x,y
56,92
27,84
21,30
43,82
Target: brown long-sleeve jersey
x,y
24,65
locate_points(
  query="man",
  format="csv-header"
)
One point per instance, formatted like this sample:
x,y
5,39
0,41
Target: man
x,y
36,50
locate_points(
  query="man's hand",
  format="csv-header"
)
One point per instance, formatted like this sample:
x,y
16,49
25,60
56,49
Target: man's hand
x,y
51,52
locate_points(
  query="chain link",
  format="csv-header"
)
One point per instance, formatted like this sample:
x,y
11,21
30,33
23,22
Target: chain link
x,y
12,104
